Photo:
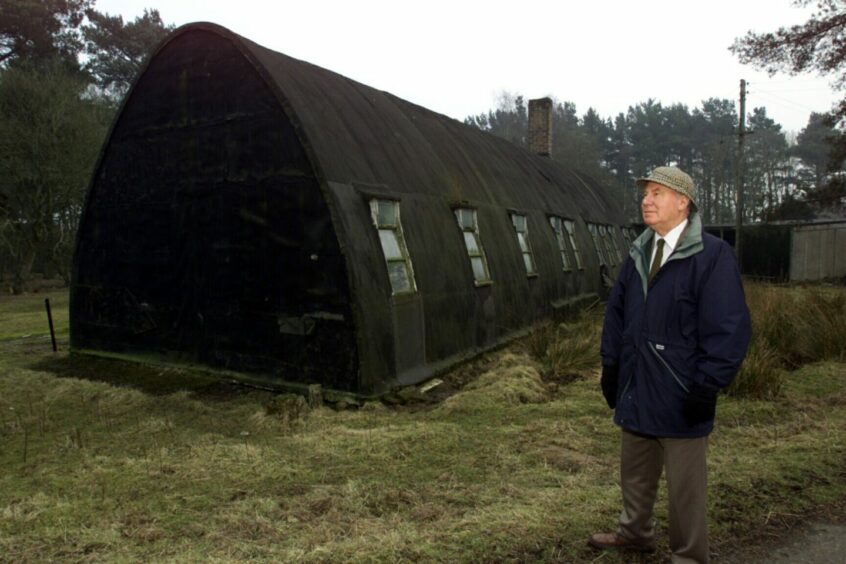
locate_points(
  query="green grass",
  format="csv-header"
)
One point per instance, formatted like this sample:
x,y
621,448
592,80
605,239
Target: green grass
x,y
27,316
515,466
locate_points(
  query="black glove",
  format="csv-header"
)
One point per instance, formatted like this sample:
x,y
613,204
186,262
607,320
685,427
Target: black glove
x,y
609,383
700,404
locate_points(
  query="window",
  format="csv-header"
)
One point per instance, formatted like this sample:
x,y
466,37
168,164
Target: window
x,y
594,234
561,236
627,236
631,234
386,218
615,244
571,232
470,231
605,238
522,230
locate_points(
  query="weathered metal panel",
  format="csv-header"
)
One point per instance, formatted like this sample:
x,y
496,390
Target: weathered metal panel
x,y
817,252
840,252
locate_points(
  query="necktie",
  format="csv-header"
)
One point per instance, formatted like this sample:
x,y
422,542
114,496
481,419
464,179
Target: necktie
x,y
656,262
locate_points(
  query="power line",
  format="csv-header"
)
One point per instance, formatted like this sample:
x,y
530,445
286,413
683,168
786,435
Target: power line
x,y
789,81
781,90
784,100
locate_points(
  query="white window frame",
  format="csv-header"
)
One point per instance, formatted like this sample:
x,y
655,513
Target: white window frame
x,y
518,220
612,235
570,226
594,234
557,224
468,223
391,233
605,237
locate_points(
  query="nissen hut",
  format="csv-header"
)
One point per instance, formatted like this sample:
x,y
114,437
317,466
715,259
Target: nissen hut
x,y
259,215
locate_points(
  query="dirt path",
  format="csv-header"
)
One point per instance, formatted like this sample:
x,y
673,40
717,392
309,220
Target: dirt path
x,y
811,543
817,539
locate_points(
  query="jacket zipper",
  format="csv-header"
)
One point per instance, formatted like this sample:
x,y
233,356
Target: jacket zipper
x,y
626,387
654,350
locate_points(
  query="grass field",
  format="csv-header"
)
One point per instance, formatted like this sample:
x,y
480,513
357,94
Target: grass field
x,y
103,461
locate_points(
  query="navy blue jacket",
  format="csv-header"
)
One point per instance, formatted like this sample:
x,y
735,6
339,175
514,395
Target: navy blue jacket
x,y
689,328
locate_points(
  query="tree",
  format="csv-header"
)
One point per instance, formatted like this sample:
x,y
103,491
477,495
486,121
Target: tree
x,y
649,136
572,143
41,31
817,45
51,121
768,172
820,148
509,120
714,125
814,147
50,134
619,159
117,49
791,209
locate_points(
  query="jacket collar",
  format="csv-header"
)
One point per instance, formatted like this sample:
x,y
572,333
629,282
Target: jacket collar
x,y
688,245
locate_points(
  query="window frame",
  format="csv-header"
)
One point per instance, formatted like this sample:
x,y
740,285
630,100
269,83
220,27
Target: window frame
x,y
562,236
570,226
612,232
479,252
527,252
605,237
396,230
593,229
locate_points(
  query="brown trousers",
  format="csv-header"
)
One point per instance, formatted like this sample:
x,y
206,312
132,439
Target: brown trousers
x,y
641,462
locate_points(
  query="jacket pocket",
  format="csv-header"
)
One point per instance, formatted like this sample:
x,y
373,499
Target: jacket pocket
x,y
657,350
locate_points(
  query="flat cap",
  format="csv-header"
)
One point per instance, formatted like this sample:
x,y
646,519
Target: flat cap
x,y
673,178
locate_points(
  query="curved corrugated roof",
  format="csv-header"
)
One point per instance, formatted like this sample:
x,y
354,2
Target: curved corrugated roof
x,y
358,133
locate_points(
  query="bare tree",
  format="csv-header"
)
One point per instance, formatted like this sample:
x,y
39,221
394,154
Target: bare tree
x,y
818,45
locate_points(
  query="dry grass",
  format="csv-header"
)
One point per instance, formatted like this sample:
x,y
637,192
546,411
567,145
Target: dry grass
x,y
515,466
564,350
791,327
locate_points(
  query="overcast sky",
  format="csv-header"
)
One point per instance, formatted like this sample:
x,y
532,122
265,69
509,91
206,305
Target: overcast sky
x,y
455,57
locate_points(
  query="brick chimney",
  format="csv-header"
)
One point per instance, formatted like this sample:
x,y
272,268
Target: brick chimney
x,y
540,126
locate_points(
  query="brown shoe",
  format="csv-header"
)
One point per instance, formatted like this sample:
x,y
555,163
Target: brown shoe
x,y
614,540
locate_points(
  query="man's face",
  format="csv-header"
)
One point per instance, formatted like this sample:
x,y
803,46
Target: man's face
x,y
662,208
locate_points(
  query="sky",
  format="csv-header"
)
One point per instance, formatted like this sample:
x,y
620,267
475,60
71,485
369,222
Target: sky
x,y
457,57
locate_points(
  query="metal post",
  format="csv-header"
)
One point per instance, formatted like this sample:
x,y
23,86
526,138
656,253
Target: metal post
x,y
50,321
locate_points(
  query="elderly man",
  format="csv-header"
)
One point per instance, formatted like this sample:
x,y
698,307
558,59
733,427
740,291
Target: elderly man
x,y
676,331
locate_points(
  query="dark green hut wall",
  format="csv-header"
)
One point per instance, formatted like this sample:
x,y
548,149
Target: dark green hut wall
x,y
206,238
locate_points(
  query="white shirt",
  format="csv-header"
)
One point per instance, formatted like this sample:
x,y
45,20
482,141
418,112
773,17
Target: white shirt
x,y
671,239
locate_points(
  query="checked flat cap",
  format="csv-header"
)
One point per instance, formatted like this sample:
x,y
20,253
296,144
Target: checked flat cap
x,y
673,178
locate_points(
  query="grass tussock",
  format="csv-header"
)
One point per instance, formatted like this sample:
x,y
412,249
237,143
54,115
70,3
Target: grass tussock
x,y
513,380
761,375
566,350
514,466
790,327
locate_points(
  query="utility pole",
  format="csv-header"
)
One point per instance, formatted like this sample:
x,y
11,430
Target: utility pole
x,y
741,132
